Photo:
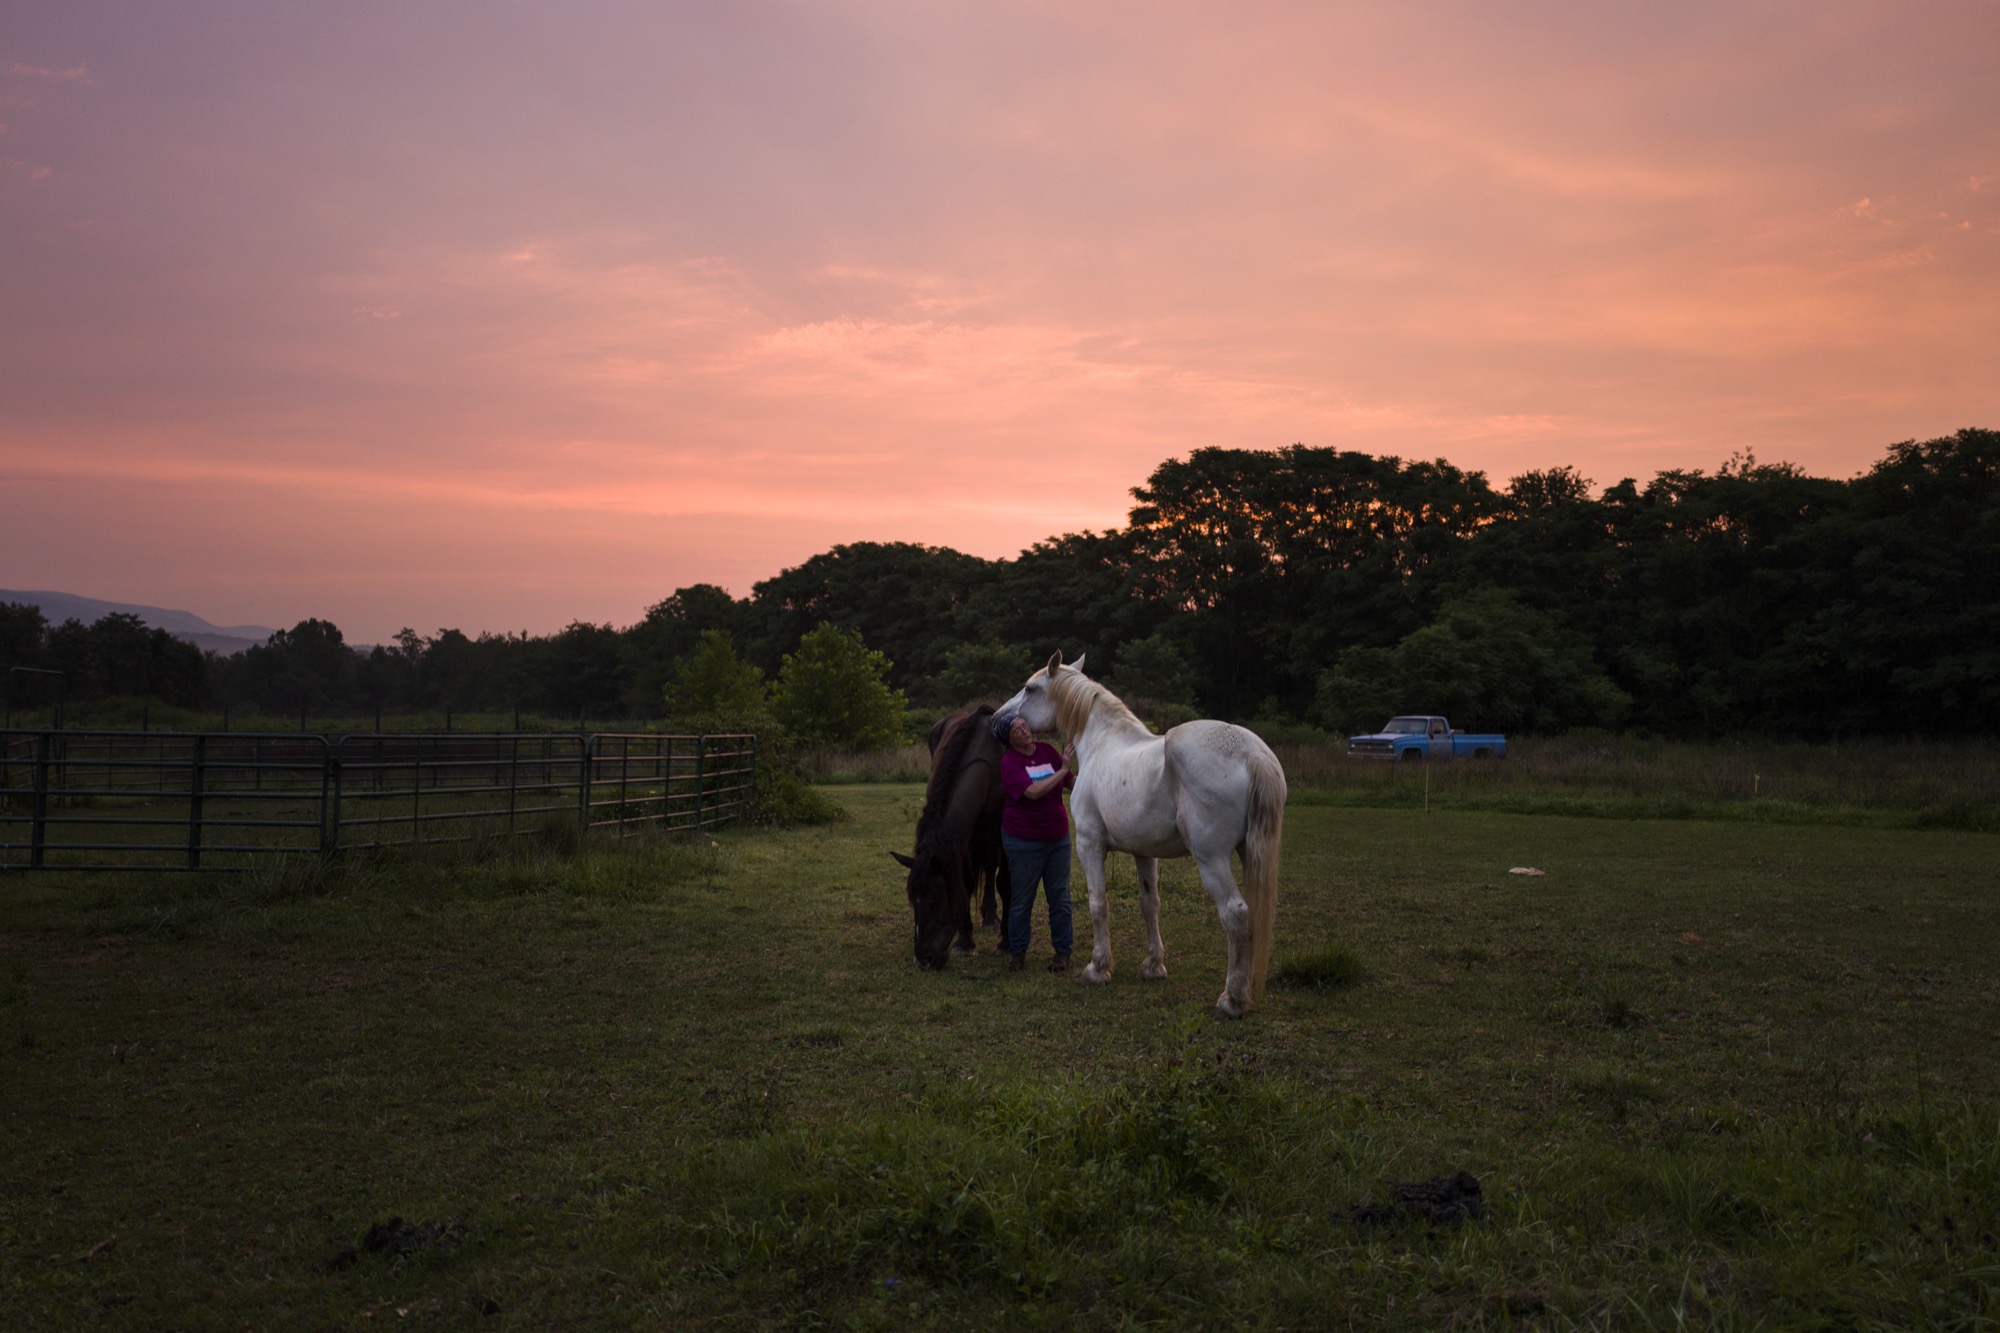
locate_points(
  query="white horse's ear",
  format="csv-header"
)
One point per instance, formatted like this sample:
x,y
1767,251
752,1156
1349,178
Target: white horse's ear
x,y
1078,664
1055,661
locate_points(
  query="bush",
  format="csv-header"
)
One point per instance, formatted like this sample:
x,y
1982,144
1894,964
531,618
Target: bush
x,y
1154,668
712,681
833,691
982,671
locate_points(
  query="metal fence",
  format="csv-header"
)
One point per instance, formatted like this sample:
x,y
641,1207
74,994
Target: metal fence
x,y
126,800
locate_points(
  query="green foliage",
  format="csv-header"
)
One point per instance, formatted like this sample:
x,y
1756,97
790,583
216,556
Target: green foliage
x,y
1289,584
669,631
1487,662
116,655
712,680
580,671
974,671
832,691
782,798
1278,560
912,602
22,629
1154,668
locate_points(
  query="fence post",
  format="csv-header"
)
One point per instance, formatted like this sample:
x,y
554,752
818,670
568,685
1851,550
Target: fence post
x,y
195,782
624,774
330,785
585,747
513,779
38,833
700,762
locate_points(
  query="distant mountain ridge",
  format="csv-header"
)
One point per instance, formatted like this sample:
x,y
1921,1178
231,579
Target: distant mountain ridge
x,y
183,625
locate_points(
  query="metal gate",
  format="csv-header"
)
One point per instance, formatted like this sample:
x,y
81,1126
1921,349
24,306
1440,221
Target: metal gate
x,y
114,800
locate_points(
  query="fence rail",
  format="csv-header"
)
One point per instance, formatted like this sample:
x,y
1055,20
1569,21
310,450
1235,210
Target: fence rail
x,y
130,800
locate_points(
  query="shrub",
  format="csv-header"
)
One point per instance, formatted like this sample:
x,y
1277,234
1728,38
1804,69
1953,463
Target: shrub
x,y
833,691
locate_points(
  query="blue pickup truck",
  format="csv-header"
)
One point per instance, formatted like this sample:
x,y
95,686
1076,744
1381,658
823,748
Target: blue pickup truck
x,y
1424,737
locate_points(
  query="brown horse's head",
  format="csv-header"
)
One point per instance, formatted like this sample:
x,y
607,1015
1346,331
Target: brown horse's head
x,y
939,900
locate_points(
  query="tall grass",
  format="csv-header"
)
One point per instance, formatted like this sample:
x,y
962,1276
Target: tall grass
x,y
1871,783
1948,785
906,763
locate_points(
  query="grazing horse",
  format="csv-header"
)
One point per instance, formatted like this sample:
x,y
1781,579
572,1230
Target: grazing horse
x,y
1205,789
958,838
989,858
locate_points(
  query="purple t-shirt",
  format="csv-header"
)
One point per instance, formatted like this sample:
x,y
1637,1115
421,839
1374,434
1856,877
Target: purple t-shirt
x,y
1042,819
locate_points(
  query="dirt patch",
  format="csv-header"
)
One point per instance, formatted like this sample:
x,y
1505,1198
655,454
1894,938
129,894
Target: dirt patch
x,y
1440,1201
398,1240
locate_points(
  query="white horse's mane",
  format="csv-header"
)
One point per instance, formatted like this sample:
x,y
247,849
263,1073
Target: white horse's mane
x,y
1076,697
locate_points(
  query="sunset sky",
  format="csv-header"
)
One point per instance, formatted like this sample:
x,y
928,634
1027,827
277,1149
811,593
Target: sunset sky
x,y
501,315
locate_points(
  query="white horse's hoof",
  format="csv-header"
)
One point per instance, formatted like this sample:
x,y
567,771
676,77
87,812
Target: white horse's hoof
x,y
1095,976
1153,970
1227,1008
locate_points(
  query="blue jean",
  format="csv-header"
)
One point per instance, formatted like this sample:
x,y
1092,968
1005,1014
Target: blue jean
x,y
1029,863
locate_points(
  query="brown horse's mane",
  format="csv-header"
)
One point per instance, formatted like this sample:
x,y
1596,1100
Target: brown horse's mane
x,y
1076,697
945,768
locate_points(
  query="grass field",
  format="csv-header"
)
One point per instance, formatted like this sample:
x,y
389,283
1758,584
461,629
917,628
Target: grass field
x,y
1708,1073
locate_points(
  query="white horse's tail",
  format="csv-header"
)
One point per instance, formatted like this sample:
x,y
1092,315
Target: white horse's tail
x,y
1263,831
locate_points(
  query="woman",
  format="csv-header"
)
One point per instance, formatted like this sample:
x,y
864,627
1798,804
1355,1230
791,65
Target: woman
x,y
1034,831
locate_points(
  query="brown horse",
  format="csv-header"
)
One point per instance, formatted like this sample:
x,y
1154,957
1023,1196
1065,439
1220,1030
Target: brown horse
x,y
958,839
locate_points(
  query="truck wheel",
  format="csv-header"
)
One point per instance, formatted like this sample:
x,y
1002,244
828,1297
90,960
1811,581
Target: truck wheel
x,y
1407,755
1482,753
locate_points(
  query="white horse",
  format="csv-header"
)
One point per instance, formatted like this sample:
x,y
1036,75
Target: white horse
x,y
1205,789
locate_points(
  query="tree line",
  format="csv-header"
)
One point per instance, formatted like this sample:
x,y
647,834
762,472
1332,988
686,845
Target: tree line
x,y
1304,585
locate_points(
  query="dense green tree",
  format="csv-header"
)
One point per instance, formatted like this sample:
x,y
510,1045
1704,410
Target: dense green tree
x,y
23,630
669,631
1280,559
307,668
581,671
119,654
909,600
1075,593
712,681
834,691
1154,668
490,673
1903,630
1487,662
976,671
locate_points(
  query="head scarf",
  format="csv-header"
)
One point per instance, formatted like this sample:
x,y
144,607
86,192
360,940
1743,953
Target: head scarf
x,y
1003,723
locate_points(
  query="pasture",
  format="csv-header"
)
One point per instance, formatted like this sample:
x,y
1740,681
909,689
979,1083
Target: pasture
x,y
1710,1073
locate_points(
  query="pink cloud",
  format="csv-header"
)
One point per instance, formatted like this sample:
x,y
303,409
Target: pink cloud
x,y
74,74
893,271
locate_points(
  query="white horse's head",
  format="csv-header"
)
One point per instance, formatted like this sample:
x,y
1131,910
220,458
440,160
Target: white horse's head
x,y
1033,701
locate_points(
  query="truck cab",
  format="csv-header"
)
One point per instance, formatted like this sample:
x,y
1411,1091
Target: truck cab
x,y
1424,736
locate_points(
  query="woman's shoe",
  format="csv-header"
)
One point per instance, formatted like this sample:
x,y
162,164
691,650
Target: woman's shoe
x,y
1060,963
1016,961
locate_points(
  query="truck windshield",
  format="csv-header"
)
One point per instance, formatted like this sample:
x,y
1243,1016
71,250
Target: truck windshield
x,y
1406,726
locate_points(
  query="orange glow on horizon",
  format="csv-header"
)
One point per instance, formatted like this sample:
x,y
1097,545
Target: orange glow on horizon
x,y
479,341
